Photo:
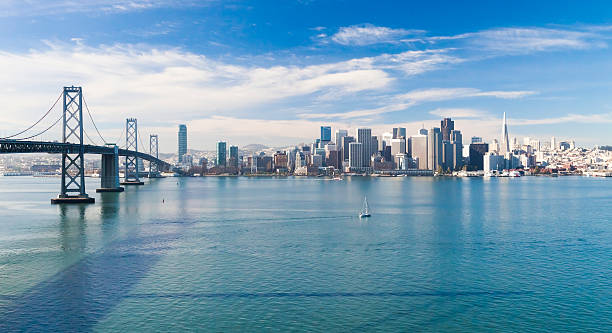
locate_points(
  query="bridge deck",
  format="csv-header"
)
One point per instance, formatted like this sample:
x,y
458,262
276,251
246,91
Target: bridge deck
x,y
17,147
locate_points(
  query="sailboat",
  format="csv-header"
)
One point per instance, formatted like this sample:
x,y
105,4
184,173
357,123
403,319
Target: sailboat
x,y
365,211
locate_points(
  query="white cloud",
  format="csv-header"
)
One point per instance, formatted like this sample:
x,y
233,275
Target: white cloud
x,y
404,101
441,94
524,40
53,7
368,34
459,113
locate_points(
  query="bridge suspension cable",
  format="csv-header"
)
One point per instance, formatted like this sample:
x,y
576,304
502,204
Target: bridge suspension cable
x,y
37,122
42,132
93,122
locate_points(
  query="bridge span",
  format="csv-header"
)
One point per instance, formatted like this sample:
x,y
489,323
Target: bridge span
x,y
72,148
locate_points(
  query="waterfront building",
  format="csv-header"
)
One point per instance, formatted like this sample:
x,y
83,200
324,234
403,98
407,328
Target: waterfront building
x,y
182,142
364,136
325,135
418,147
221,154
446,126
355,155
281,161
477,152
233,157
434,149
493,161
402,161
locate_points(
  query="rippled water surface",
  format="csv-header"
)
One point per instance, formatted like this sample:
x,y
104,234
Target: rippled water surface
x,y
290,254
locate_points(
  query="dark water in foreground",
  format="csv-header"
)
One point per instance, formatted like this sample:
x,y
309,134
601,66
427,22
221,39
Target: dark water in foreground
x,y
238,254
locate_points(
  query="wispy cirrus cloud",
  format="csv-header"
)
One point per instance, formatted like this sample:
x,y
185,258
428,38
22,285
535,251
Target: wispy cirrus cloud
x,y
368,34
10,8
459,113
404,101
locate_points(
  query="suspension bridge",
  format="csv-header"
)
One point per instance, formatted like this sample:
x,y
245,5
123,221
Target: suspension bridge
x,y
73,149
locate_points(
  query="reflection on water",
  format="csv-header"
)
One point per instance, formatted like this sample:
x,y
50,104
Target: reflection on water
x,y
235,254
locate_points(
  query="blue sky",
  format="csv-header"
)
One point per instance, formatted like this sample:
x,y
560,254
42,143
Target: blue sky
x,y
271,72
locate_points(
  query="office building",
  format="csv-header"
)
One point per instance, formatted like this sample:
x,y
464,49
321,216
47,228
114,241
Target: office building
x,y
182,142
422,131
339,135
398,146
457,143
399,132
434,149
418,145
233,157
355,155
221,154
346,141
476,139
281,161
477,152
325,135
446,126
374,145
364,136
493,162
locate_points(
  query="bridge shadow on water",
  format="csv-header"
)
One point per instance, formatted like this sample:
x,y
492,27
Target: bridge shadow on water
x,y
79,296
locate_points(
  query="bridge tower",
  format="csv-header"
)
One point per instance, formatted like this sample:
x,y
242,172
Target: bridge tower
x,y
131,162
73,163
153,151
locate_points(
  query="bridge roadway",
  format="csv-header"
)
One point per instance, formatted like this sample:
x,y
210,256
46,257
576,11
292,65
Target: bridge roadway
x,y
18,147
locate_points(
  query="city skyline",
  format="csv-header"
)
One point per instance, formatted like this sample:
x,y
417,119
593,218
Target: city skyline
x,y
273,79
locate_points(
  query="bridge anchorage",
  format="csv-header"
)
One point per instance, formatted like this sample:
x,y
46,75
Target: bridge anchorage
x,y
73,162
131,162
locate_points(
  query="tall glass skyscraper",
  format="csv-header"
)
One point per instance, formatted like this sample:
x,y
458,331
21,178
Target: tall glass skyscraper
x,y
221,153
364,136
325,134
234,156
182,142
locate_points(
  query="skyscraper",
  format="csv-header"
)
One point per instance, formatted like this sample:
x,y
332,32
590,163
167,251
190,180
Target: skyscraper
x,y
457,142
182,142
477,152
222,153
355,155
345,146
233,156
505,140
434,149
325,135
364,136
418,145
399,132
446,125
340,133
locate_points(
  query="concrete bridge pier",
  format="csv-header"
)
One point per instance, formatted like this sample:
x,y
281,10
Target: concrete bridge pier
x,y
109,173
